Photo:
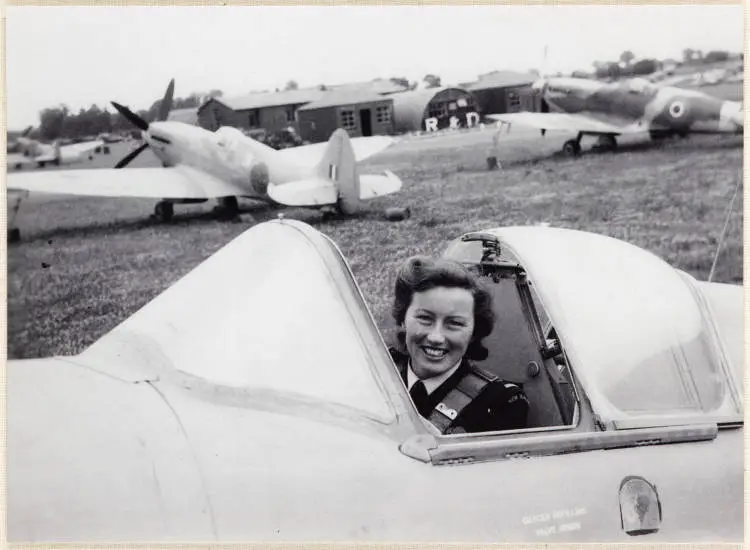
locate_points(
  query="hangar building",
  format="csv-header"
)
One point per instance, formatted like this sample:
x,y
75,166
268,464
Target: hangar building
x,y
504,92
271,111
433,109
359,112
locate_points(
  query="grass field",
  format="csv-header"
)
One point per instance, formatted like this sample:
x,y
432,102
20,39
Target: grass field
x,y
84,265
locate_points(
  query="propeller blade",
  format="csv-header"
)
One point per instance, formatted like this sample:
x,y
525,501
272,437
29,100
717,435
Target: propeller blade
x,y
166,103
130,156
137,121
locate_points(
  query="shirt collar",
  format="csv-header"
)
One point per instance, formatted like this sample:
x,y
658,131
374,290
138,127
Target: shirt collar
x,y
430,384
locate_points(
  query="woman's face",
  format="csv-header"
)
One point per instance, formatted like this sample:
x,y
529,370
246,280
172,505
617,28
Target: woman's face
x,y
438,324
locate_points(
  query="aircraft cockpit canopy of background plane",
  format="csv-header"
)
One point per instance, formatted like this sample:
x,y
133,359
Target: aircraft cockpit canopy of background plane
x,y
639,85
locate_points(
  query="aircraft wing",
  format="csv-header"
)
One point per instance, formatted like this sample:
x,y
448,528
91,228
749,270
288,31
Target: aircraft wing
x,y
179,182
563,121
363,147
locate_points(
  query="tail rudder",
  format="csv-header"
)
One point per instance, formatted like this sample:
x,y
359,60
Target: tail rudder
x,y
339,165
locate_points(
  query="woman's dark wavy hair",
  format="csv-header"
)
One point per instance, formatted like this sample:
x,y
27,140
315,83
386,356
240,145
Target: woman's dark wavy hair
x,y
421,273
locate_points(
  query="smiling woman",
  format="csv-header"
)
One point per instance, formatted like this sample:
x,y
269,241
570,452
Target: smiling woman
x,y
443,314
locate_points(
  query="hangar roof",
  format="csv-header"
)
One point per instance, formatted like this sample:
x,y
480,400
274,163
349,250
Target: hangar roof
x,y
501,79
271,99
348,97
377,86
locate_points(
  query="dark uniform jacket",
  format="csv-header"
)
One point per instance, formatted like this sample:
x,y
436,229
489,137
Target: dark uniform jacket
x,y
500,405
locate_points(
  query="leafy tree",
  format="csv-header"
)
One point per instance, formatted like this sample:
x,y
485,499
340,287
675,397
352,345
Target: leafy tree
x,y
291,85
433,81
715,56
401,81
644,66
627,57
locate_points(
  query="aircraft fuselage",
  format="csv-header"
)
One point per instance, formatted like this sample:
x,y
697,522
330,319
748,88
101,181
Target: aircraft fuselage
x,y
226,154
642,103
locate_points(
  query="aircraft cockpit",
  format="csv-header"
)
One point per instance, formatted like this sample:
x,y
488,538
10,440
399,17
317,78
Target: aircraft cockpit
x,y
639,86
614,324
523,345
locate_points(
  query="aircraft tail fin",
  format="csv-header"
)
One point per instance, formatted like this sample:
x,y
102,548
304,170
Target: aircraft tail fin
x,y
339,166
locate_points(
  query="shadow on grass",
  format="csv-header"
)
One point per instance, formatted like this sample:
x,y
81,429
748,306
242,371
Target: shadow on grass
x,y
706,142
249,215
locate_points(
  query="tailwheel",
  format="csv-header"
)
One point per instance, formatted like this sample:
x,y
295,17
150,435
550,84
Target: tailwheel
x,y
572,148
329,213
164,211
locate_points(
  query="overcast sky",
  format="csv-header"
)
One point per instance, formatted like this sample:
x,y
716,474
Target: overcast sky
x,y
82,55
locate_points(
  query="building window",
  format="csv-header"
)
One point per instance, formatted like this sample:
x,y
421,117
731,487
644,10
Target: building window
x,y
383,114
347,120
462,102
514,100
290,114
438,110
253,119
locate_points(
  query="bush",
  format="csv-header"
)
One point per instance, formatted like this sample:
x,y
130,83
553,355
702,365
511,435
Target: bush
x,y
715,56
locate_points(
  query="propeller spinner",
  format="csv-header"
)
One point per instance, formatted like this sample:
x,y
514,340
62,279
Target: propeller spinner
x,y
141,124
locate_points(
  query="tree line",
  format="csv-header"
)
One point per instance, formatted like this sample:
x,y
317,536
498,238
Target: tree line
x,y
61,123
626,66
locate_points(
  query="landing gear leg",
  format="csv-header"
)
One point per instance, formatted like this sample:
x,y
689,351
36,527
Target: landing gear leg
x,y
607,143
164,211
572,147
329,213
229,208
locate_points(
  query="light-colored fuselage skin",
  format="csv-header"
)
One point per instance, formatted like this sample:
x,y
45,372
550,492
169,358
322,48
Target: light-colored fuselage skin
x,y
226,154
225,465
654,108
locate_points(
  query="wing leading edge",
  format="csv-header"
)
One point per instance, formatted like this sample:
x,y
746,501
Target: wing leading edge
x,y
564,122
180,182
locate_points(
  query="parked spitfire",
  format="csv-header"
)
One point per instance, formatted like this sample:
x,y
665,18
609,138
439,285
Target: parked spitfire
x,y
200,165
634,106
42,154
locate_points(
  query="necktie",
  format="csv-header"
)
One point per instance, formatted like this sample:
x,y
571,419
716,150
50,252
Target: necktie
x,y
419,396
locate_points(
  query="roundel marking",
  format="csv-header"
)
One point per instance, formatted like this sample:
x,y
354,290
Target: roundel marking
x,y
677,109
